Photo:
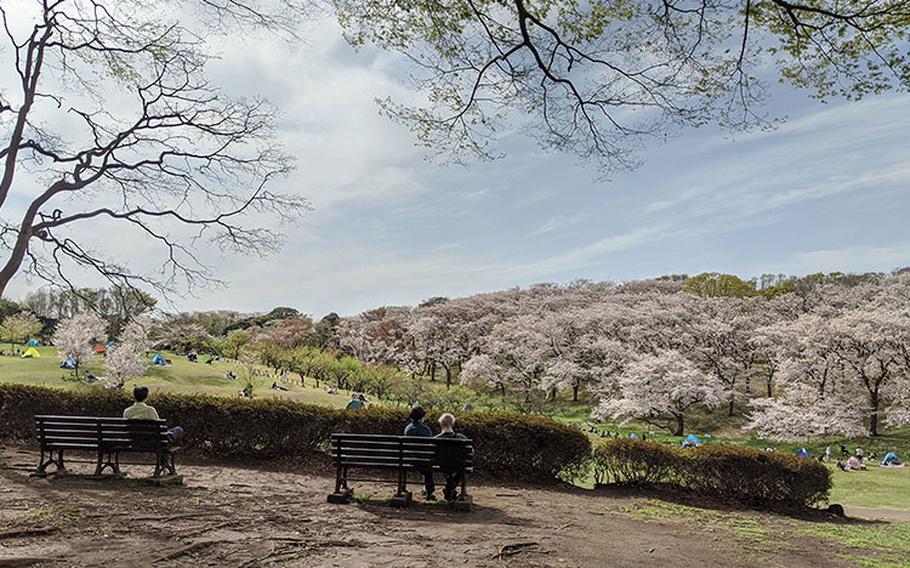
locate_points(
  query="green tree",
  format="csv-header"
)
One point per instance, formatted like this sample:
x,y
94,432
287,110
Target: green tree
x,y
19,327
8,308
326,331
715,284
232,344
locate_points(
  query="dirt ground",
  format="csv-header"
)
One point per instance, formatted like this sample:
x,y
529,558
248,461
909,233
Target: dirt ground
x,y
238,517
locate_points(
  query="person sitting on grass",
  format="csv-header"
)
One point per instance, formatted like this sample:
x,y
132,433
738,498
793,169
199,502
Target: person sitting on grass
x,y
277,387
416,427
453,478
355,403
854,463
141,411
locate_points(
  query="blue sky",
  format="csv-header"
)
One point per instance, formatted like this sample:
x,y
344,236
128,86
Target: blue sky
x,y
827,190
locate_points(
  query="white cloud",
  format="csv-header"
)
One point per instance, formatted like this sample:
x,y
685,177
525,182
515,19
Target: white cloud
x,y
852,259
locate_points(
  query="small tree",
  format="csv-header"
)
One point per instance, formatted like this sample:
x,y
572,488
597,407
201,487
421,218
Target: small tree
x,y
76,336
661,389
18,328
124,362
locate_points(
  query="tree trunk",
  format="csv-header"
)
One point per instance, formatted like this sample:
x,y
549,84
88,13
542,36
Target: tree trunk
x,y
433,371
575,392
874,402
730,407
448,377
680,425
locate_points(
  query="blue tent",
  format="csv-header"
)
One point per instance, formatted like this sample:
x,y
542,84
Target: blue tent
x,y
32,342
110,345
891,459
692,440
802,453
68,363
158,359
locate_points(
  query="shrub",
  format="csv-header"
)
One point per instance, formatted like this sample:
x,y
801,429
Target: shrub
x,y
753,476
726,472
633,462
511,446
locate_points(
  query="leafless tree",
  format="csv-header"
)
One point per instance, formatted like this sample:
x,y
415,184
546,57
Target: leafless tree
x,y
107,117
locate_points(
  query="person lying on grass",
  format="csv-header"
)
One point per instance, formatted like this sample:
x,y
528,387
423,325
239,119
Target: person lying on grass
x,y
141,411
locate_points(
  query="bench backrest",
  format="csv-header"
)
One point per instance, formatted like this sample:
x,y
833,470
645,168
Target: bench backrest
x,y
410,452
101,432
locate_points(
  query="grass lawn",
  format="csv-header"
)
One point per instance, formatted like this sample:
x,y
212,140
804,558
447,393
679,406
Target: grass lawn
x,y
180,377
876,488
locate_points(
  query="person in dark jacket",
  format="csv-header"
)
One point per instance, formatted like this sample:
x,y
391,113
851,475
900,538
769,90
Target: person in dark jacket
x,y
453,478
416,427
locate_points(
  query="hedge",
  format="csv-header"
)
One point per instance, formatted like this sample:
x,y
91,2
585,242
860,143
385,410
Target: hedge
x,y
508,446
725,472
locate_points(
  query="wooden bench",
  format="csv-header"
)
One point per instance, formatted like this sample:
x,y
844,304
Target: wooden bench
x,y
107,436
404,454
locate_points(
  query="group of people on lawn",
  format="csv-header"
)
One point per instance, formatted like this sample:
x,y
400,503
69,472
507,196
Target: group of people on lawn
x,y
415,427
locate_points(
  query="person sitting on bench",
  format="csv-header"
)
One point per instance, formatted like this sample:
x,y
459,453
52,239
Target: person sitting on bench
x,y
416,427
453,478
141,411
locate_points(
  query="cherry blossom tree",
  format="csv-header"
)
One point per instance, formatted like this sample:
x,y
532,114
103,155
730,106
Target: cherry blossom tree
x,y
124,362
661,389
76,337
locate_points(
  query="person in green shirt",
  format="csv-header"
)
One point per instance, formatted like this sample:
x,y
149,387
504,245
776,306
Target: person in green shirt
x,y
142,411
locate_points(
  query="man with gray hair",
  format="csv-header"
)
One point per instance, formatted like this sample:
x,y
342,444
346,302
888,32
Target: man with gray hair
x,y
453,478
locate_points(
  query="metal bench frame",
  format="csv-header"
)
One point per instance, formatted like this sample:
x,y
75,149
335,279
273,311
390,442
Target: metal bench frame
x,y
108,436
404,454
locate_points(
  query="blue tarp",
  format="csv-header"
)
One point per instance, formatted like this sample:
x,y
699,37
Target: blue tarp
x,y
158,359
692,438
802,453
68,363
32,343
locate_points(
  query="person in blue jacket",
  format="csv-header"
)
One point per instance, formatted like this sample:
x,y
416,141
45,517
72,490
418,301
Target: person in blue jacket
x,y
416,427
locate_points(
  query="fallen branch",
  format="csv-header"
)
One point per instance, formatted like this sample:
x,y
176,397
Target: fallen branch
x,y
515,548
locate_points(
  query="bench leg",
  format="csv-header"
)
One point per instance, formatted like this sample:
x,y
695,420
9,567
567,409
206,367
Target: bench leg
x,y
169,463
342,494
57,462
108,460
403,497
464,501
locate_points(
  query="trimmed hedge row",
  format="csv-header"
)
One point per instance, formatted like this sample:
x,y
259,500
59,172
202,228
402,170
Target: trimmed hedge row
x,y
511,446
726,472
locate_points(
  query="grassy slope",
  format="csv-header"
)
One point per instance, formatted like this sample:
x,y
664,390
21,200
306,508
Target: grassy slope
x,y
181,377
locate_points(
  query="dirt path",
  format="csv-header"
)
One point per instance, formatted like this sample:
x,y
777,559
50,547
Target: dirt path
x,y
236,517
898,515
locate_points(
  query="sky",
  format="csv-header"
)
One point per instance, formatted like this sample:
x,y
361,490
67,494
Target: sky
x,y
828,190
